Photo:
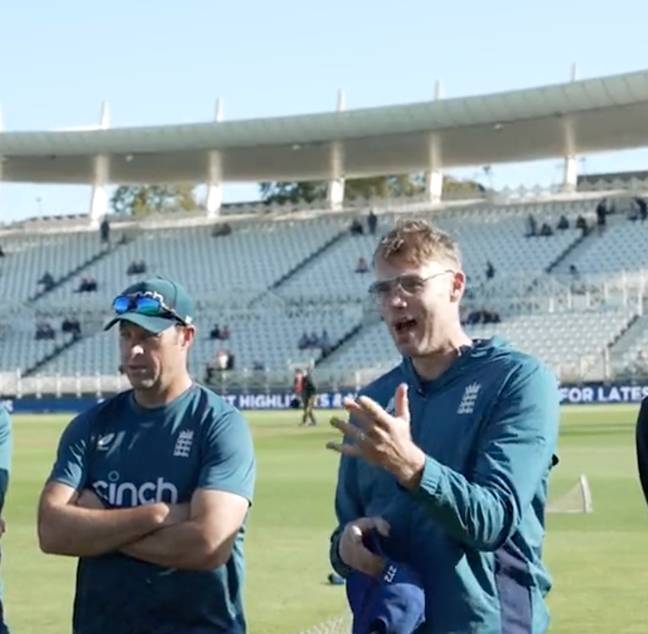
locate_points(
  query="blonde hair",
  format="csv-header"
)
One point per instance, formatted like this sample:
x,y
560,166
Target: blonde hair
x,y
418,241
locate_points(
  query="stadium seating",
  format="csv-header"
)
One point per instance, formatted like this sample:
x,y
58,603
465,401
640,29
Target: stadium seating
x,y
270,281
567,342
483,237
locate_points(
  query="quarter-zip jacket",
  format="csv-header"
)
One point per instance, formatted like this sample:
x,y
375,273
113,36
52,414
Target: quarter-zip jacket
x,y
474,526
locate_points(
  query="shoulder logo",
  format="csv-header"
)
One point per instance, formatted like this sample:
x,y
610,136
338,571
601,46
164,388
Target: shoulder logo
x,y
103,442
183,444
467,404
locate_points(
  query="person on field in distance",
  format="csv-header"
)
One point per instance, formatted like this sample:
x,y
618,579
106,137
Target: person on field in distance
x,y
151,488
446,458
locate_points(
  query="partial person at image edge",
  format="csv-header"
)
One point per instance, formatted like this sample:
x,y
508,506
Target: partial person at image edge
x,y
642,446
5,470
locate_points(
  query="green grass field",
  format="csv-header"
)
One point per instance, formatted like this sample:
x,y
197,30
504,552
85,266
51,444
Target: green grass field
x,y
599,561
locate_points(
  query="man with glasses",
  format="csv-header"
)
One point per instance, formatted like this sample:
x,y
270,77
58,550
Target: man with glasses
x,y
445,458
150,489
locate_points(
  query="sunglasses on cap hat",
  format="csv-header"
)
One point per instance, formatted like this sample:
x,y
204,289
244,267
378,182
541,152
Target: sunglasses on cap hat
x,y
146,303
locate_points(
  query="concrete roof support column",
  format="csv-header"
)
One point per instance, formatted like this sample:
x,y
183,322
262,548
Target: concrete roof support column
x,y
215,173
99,196
335,190
434,175
570,179
434,186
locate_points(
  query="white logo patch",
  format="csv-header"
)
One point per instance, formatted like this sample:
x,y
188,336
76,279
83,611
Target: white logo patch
x,y
183,444
103,442
467,405
129,494
390,573
390,408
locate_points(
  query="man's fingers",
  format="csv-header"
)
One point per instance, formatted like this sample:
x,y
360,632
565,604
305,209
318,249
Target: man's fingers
x,y
343,448
367,411
379,523
356,533
382,526
401,402
353,551
368,563
349,430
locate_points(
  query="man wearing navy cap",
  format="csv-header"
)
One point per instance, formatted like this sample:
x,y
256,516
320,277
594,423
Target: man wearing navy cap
x,y
447,456
150,489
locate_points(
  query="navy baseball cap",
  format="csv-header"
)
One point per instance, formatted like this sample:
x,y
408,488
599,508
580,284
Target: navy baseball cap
x,y
393,603
154,304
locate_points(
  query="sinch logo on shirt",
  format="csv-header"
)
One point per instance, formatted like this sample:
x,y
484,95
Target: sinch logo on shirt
x,y
129,494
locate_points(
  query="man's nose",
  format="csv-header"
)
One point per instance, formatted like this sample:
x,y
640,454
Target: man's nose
x,y
396,298
136,350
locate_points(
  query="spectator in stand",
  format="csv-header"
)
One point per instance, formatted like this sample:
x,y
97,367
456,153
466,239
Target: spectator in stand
x,y
356,228
44,330
136,267
372,222
581,224
531,227
304,341
104,231
563,223
258,366
225,333
215,332
221,229
47,280
230,360
643,208
71,325
490,270
602,210
88,284
362,266
546,231
222,360
314,340
2,253
573,271
325,342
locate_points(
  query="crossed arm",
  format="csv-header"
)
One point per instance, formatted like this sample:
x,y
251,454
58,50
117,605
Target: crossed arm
x,y
197,536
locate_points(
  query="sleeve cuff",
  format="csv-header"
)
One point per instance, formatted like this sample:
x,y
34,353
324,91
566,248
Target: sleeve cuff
x,y
336,561
430,478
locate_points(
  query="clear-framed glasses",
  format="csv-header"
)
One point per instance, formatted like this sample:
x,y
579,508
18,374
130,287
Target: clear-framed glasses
x,y
408,284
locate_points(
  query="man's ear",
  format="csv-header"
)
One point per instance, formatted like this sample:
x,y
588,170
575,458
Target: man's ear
x,y
188,335
458,286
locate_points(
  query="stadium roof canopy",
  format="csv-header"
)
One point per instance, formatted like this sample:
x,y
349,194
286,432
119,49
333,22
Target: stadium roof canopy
x,y
578,117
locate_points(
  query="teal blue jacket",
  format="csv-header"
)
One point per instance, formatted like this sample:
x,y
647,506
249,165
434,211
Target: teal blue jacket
x,y
474,526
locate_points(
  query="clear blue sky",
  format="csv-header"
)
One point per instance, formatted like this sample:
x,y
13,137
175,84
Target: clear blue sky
x,y
166,62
